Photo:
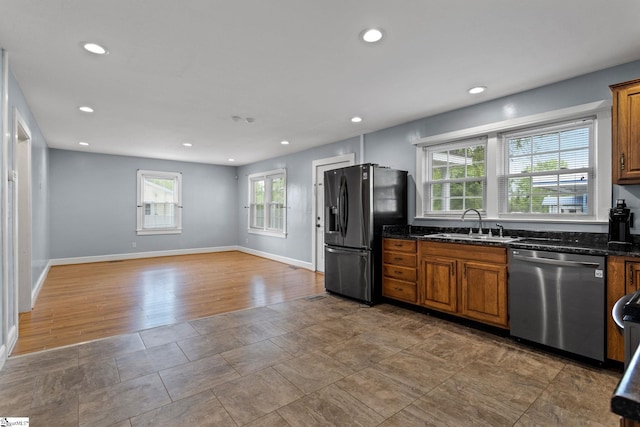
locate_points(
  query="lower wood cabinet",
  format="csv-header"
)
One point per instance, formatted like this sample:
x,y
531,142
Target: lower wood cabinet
x,y
623,277
399,273
465,280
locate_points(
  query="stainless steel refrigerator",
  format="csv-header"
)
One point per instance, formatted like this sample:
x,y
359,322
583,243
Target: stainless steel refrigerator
x,y
359,200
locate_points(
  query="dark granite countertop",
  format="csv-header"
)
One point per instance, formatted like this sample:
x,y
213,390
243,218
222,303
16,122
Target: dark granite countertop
x,y
569,242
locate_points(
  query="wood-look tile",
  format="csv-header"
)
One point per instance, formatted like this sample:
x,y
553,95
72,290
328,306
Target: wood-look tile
x,y
194,377
208,345
167,334
255,395
312,371
456,403
358,353
383,394
255,332
573,389
271,420
144,362
214,324
32,365
61,412
124,400
110,347
16,396
420,373
254,315
202,410
255,357
452,347
329,406
71,382
544,413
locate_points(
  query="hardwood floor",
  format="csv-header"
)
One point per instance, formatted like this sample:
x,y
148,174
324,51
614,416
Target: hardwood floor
x,y
83,302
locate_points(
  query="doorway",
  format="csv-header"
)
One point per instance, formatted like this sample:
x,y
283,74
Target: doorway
x,y
22,213
319,167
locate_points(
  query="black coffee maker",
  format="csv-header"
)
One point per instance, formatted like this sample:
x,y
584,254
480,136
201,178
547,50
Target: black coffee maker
x,y
619,223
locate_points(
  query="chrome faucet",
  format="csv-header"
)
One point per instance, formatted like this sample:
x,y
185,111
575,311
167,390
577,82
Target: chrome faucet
x,y
479,220
501,229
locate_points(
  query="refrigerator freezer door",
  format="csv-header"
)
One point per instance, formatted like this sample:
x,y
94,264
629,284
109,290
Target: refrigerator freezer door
x,y
348,273
332,205
356,206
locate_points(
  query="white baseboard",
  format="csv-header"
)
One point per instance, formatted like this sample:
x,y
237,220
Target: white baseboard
x,y
3,355
137,255
290,261
12,338
36,291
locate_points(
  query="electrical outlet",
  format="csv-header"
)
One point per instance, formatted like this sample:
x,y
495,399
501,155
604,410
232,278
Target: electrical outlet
x,y
133,244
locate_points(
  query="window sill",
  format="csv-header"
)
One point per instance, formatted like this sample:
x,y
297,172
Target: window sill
x,y
151,232
474,220
279,234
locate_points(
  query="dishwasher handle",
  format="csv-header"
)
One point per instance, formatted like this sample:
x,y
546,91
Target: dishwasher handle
x,y
558,262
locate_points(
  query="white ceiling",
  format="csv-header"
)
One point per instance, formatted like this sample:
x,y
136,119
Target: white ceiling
x,y
179,70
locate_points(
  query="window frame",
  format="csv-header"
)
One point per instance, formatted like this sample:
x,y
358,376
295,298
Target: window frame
x,y
142,175
601,110
429,168
268,177
504,174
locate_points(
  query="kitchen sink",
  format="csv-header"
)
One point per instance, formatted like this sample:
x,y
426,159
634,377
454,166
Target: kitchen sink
x,y
472,237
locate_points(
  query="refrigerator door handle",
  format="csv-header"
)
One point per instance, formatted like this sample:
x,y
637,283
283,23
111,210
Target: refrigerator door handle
x,y
342,207
361,252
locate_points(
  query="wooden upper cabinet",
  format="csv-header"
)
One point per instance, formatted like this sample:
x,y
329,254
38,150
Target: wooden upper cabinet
x,y
626,132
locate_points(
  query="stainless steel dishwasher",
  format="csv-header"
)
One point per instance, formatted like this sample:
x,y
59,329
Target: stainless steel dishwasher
x,y
558,299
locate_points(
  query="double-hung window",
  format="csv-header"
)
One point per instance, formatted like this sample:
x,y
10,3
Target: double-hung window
x,y
267,203
549,170
455,176
159,202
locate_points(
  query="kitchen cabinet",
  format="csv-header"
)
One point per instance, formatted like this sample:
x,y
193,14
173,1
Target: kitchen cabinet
x,y
623,277
625,133
399,272
466,280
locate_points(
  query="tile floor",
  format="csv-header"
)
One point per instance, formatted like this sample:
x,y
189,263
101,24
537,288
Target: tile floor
x,y
315,361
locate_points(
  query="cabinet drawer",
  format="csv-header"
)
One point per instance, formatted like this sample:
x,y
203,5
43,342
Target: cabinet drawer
x,y
400,290
399,258
398,272
398,245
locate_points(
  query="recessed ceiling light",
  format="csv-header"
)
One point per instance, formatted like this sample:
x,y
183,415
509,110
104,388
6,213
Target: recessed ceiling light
x,y
371,35
95,48
83,143
187,144
477,89
356,119
284,142
85,109
232,160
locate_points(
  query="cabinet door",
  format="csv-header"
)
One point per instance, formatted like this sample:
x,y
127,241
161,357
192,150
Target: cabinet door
x,y
633,277
483,289
438,284
616,288
626,133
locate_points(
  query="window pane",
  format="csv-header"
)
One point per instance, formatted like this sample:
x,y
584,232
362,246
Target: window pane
x,y
159,202
472,203
544,143
451,168
555,153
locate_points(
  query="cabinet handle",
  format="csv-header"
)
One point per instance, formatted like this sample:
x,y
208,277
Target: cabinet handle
x,y
397,272
398,245
622,161
397,259
397,288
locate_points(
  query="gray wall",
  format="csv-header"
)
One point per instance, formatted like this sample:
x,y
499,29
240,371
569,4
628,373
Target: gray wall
x,y
300,199
393,146
93,205
39,178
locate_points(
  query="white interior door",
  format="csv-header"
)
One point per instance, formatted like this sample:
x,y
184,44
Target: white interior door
x,y
23,217
319,168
